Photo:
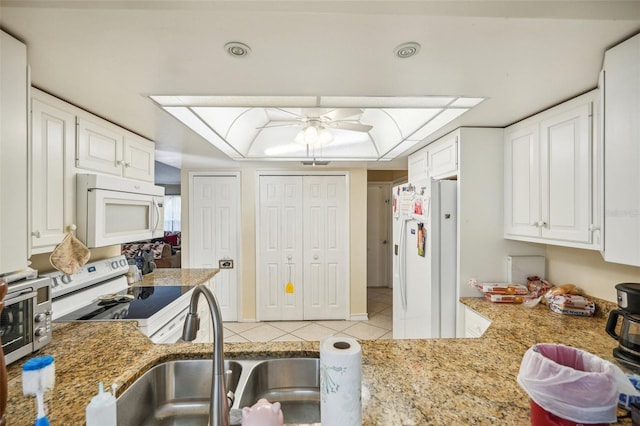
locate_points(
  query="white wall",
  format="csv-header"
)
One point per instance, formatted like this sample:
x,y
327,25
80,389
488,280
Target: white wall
x,y
482,248
588,270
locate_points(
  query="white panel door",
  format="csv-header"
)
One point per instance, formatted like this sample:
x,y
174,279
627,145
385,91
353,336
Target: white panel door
x,y
565,172
378,235
522,182
325,247
280,253
213,234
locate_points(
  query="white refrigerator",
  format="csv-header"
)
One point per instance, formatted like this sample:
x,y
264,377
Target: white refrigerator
x,y
424,259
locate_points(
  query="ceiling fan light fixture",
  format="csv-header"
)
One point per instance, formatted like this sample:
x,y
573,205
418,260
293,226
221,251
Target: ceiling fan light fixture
x,y
407,50
324,137
314,136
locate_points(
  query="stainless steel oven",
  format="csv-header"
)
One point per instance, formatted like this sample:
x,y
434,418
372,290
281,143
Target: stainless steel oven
x,y
25,321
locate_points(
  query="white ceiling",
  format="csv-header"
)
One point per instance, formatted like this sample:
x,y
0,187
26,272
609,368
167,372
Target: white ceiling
x,y
108,56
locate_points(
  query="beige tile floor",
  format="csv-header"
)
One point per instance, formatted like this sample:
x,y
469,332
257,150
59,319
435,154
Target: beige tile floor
x,y
379,307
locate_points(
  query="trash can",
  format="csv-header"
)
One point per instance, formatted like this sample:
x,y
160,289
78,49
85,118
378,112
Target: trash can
x,y
568,386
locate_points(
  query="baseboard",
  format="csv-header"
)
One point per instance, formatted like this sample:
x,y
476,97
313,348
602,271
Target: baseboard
x,y
247,320
359,317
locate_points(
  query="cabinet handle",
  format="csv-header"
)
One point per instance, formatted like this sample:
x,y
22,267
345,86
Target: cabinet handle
x,y
72,227
36,234
542,224
593,227
118,162
127,164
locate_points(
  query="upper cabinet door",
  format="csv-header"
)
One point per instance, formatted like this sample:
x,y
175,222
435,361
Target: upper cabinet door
x,y
52,177
139,160
566,175
99,147
622,153
13,154
443,157
418,163
522,183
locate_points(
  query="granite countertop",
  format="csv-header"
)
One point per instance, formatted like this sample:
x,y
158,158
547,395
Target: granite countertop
x,y
404,382
177,276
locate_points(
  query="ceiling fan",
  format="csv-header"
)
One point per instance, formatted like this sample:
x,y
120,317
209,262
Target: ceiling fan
x,y
315,123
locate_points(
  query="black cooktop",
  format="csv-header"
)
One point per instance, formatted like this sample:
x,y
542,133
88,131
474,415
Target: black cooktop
x,y
134,303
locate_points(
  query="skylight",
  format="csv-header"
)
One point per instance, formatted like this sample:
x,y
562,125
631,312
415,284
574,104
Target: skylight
x,y
285,128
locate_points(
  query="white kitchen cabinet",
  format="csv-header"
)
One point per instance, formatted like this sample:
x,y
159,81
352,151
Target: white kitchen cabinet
x,y
105,148
52,186
548,176
443,157
621,109
475,324
418,166
437,160
14,87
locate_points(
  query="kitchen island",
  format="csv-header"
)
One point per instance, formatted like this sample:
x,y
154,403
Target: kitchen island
x,y
404,382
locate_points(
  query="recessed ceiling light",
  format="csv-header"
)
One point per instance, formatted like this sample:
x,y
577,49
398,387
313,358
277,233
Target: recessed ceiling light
x,y
237,49
407,50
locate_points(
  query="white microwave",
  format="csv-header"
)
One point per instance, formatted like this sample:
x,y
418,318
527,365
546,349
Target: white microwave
x,y
113,210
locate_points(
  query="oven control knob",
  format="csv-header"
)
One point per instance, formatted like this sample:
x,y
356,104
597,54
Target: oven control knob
x,y
40,331
40,317
114,264
66,279
123,262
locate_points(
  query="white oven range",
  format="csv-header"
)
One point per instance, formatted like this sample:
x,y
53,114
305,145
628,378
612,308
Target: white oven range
x,y
99,292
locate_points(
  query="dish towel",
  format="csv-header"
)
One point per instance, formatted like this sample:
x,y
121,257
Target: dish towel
x,y
70,255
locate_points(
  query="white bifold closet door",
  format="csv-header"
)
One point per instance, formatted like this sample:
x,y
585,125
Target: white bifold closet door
x,y
302,240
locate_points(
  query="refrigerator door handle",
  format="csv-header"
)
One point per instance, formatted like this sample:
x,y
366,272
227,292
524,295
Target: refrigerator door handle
x,y
402,266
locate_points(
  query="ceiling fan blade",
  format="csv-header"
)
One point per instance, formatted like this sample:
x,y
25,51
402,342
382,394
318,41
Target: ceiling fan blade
x,y
355,127
298,116
341,113
284,124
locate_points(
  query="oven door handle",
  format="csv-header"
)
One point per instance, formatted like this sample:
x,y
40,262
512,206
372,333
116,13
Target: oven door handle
x,y
29,294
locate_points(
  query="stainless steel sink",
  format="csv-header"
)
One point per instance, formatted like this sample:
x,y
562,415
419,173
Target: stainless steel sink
x,y
295,383
173,393
178,392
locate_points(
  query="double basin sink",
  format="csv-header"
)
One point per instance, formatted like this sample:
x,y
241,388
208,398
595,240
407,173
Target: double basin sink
x,y
178,392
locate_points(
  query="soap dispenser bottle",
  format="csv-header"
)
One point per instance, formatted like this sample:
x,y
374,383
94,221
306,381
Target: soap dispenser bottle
x,y
101,411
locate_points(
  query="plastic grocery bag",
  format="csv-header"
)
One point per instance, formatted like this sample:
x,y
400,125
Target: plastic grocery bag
x,y
573,384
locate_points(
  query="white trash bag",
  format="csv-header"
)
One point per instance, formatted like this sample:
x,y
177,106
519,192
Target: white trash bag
x,y
573,384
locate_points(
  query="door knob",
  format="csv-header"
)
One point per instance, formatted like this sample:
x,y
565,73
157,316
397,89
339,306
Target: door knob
x,y
316,257
384,242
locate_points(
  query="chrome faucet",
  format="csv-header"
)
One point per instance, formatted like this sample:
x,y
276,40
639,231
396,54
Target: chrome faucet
x,y
219,407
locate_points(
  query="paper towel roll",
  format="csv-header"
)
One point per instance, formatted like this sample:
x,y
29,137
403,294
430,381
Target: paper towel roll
x,y
340,382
